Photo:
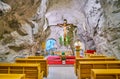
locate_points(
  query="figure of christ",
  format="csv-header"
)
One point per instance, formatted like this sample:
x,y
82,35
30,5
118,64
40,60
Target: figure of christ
x,y
65,26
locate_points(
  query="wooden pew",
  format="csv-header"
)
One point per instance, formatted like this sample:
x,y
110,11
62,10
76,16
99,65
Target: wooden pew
x,y
97,56
91,59
31,71
105,74
35,57
42,62
84,68
12,76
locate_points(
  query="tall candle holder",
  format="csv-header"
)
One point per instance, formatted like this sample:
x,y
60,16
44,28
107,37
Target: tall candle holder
x,y
77,49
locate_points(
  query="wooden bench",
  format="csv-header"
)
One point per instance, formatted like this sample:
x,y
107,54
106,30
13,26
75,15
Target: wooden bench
x,y
97,56
35,57
105,74
84,68
31,71
91,59
12,76
42,62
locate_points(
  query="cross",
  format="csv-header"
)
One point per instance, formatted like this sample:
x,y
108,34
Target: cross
x,y
65,25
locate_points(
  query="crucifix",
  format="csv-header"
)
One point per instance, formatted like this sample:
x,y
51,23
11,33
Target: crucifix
x,y
65,26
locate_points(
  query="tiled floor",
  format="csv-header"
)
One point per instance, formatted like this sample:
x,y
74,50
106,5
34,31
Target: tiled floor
x,y
61,72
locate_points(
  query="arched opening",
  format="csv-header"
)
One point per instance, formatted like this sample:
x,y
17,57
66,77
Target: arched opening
x,y
50,46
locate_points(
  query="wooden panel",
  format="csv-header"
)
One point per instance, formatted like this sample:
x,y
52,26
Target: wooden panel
x,y
99,66
105,73
118,76
82,76
12,76
3,69
35,57
42,62
105,77
32,71
96,56
86,66
114,66
85,71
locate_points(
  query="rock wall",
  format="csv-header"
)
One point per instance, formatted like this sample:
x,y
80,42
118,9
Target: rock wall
x,y
17,28
103,24
111,27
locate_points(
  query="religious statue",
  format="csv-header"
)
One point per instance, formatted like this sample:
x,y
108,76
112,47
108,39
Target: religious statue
x,y
65,26
65,39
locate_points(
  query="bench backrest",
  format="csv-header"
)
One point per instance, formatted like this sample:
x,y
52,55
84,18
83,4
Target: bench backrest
x,y
97,56
32,71
105,73
84,68
35,57
42,62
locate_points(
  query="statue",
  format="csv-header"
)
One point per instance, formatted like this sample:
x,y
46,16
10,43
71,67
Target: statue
x,y
65,26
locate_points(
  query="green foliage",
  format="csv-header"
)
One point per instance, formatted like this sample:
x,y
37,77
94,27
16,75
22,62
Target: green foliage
x,y
60,40
65,41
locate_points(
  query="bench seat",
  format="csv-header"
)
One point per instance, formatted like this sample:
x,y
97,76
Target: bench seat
x,y
12,76
105,74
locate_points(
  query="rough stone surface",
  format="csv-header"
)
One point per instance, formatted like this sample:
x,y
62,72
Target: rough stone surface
x,y
103,21
4,8
17,28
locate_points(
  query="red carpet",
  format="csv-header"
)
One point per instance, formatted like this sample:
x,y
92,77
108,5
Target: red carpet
x,y
55,60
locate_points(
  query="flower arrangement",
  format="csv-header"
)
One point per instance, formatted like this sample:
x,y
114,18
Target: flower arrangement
x,y
63,57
